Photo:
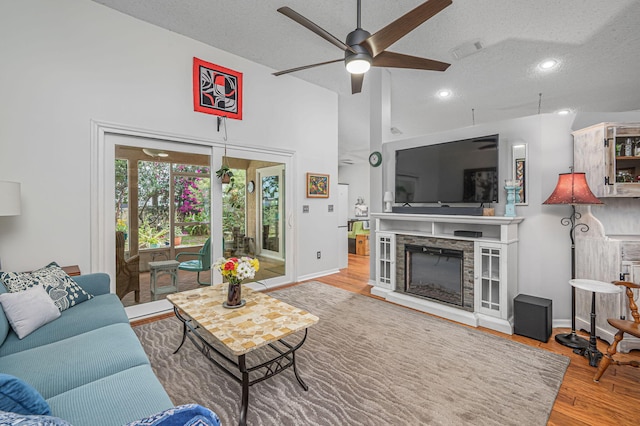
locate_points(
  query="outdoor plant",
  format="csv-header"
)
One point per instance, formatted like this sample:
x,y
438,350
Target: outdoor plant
x,y
148,237
225,174
121,225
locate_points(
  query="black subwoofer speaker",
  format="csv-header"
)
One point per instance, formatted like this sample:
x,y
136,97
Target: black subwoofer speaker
x,y
532,317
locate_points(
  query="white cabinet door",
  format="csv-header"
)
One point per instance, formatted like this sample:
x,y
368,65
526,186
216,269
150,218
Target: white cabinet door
x,y
490,291
385,260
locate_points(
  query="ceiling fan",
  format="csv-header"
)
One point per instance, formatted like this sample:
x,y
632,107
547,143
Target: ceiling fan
x,y
363,50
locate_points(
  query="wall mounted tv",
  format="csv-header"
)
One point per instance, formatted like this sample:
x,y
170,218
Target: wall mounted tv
x,y
463,171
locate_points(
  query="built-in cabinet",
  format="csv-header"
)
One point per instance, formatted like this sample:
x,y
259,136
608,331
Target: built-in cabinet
x,y
385,260
609,154
495,252
493,288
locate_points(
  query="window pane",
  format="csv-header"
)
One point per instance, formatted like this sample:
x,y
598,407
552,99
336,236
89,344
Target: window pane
x,y
122,200
153,204
189,168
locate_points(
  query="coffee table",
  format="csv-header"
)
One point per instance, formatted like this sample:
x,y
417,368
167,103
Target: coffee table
x,y
226,336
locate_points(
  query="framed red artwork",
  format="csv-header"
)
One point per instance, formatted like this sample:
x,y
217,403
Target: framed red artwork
x,y
217,90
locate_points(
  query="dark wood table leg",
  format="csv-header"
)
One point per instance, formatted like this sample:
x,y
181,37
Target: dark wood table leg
x,y
245,390
184,328
592,352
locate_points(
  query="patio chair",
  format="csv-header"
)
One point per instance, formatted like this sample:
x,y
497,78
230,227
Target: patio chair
x,y
200,264
127,271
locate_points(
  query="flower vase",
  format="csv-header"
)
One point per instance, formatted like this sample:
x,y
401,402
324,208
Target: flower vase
x,y
234,296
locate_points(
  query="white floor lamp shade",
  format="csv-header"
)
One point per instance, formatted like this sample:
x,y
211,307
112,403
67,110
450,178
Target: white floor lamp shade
x,y
9,198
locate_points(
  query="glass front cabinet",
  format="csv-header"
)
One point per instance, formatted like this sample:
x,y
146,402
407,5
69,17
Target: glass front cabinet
x,y
609,154
492,295
385,260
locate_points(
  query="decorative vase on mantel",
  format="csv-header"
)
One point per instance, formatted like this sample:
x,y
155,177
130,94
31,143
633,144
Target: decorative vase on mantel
x,y
234,295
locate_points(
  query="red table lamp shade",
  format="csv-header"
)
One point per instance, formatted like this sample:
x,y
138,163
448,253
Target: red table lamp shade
x,y
572,188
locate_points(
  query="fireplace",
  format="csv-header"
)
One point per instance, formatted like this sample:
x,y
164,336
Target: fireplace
x,y
434,273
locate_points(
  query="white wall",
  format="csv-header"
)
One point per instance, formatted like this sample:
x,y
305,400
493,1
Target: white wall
x,y
68,62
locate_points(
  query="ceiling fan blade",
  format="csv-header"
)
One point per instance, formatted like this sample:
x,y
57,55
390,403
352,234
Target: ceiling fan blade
x,y
356,83
399,60
287,11
402,26
304,67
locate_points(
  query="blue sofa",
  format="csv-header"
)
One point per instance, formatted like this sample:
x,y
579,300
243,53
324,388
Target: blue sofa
x,y
87,364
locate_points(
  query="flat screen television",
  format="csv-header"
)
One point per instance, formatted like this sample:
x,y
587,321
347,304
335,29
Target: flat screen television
x,y
463,171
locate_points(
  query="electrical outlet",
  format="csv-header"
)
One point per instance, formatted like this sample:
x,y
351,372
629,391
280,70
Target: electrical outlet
x,y
305,209
330,208
318,255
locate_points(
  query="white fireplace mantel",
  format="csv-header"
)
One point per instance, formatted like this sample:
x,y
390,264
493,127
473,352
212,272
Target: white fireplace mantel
x,y
495,281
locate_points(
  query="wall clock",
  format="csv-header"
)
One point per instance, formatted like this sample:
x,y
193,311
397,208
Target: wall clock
x,y
375,159
251,186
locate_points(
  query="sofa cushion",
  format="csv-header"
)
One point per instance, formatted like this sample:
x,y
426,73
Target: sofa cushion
x,y
114,400
20,397
64,291
69,363
188,415
28,310
15,419
95,313
96,283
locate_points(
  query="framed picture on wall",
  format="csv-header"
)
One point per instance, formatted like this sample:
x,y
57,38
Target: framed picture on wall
x,y
317,185
521,165
217,90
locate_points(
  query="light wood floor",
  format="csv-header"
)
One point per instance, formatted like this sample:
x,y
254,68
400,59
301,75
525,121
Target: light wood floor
x,y
613,401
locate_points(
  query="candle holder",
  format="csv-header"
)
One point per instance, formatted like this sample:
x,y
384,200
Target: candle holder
x,y
510,208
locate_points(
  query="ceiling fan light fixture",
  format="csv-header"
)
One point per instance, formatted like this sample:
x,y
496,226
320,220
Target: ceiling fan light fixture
x,y
155,152
358,64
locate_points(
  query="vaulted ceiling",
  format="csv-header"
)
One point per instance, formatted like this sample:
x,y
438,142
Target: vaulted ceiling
x,y
596,44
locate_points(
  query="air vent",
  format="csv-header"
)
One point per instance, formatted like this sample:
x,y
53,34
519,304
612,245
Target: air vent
x,y
467,49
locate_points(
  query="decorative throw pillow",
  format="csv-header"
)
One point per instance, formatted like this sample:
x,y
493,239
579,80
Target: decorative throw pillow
x,y
64,291
183,415
20,397
15,419
28,310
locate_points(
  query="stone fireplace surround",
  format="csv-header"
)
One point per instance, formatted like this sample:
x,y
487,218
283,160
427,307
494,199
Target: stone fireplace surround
x,y
498,233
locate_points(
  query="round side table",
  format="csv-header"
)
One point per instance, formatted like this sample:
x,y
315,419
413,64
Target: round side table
x,y
592,352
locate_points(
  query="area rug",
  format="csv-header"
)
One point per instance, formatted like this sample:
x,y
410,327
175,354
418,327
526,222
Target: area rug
x,y
369,362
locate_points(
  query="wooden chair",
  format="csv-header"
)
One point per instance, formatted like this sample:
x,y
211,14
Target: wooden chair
x,y
623,326
201,263
127,271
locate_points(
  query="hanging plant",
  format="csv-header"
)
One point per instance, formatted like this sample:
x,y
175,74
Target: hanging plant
x,y
224,173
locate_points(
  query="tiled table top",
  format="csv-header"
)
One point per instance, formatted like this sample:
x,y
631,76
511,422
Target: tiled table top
x,y
262,320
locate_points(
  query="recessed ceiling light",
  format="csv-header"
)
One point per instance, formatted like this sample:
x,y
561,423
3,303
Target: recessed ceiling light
x,y
547,64
563,111
444,93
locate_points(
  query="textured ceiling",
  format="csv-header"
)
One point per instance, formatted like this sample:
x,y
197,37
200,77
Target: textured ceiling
x,y
596,42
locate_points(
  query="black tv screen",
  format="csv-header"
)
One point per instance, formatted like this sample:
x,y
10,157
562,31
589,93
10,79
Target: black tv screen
x,y
464,171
